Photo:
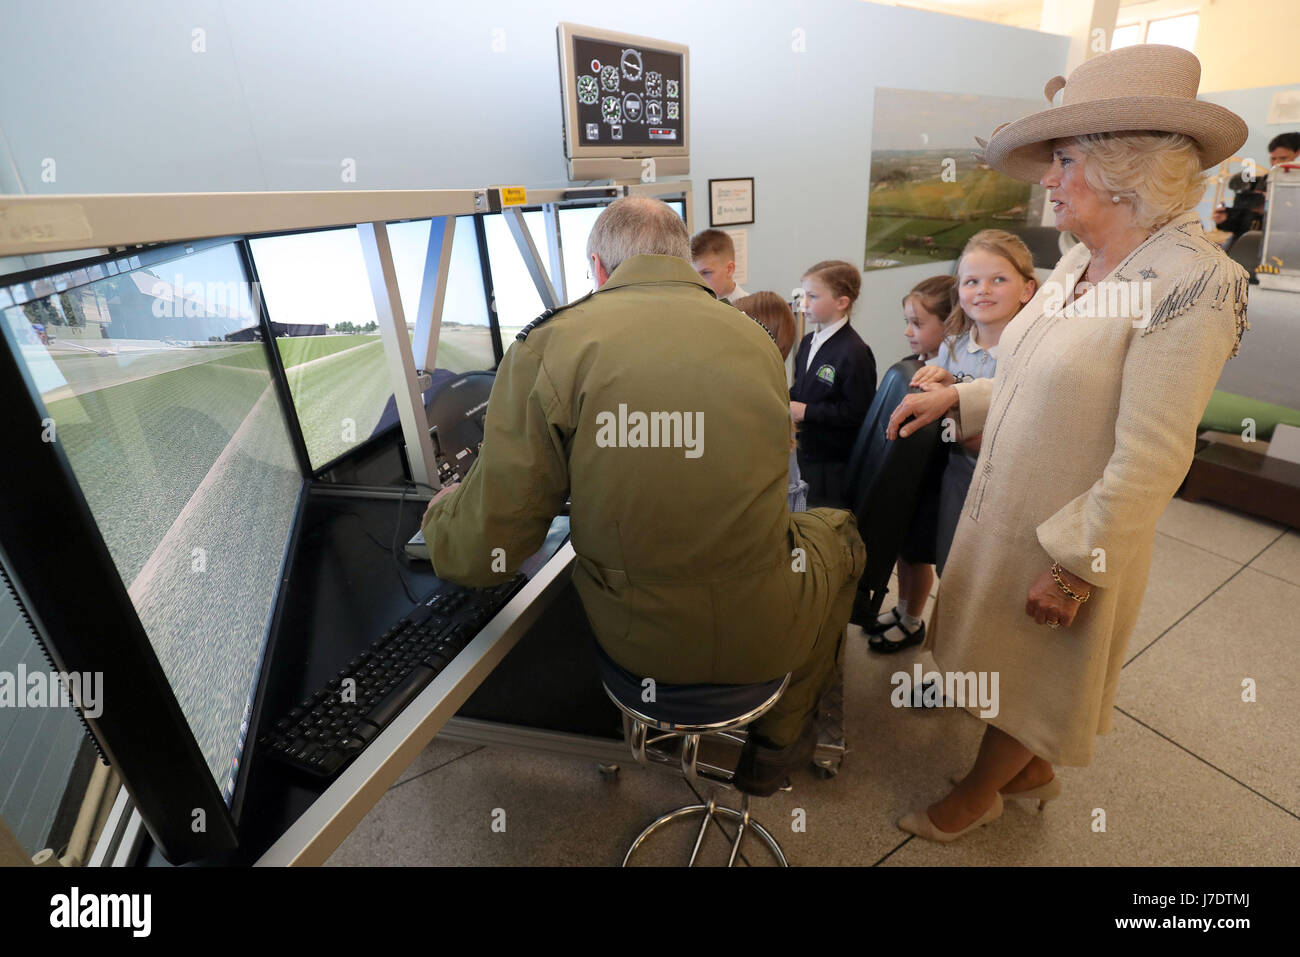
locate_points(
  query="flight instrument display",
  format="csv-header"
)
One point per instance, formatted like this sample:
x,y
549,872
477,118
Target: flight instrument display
x,y
627,95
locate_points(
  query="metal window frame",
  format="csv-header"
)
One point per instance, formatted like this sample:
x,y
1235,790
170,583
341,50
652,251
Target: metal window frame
x,y
421,347
546,202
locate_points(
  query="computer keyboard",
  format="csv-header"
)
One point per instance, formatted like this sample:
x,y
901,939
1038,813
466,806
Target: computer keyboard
x,y
325,731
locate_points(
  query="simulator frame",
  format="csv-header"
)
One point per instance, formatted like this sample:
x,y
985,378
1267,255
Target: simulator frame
x,y
169,789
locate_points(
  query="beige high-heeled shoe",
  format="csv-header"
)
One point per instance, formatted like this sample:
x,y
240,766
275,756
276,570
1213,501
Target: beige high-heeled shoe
x,y
918,822
1048,791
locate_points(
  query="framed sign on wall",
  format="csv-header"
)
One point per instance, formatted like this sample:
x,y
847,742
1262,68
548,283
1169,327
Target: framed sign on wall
x,y
740,242
731,201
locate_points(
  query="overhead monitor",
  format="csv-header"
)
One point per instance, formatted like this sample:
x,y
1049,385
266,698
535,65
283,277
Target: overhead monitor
x,y
625,100
172,425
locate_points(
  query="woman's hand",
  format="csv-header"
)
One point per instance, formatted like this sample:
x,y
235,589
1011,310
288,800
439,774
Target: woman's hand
x,y
1047,603
797,410
922,408
935,374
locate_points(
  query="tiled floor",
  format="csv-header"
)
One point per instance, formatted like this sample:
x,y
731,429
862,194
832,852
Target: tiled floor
x,y
1193,773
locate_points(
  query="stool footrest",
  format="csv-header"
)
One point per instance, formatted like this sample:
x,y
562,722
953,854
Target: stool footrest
x,y
743,817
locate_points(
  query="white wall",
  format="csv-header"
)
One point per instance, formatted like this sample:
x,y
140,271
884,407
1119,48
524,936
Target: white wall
x,y
287,90
1248,43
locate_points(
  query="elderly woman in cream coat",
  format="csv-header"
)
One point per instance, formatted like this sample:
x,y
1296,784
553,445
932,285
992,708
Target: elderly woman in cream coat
x,y
1090,423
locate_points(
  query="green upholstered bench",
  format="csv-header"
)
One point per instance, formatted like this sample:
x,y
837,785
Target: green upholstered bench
x,y
1227,411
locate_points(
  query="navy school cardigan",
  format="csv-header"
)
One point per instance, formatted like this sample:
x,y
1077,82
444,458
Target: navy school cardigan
x,y
838,390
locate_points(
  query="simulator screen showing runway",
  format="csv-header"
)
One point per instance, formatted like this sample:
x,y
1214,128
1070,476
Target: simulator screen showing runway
x,y
322,309
161,397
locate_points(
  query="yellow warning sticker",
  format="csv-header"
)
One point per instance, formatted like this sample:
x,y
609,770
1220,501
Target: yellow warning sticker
x,y
513,196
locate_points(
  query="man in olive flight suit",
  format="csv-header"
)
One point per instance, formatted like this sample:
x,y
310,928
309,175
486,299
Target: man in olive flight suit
x,y
664,414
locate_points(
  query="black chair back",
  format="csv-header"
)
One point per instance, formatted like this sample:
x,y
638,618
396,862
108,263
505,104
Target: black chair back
x,y
1247,249
1044,244
885,479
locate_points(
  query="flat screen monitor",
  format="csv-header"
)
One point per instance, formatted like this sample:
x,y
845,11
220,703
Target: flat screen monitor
x,y
172,424
625,99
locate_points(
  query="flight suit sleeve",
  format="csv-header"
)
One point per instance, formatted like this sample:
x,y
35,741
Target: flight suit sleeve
x,y
517,486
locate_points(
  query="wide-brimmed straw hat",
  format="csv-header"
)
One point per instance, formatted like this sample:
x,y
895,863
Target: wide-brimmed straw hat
x,y
1146,87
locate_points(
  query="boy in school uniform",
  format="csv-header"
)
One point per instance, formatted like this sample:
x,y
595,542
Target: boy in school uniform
x,y
713,255
834,382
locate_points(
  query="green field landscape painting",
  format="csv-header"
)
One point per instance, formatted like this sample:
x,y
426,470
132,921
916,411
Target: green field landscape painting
x,y
930,190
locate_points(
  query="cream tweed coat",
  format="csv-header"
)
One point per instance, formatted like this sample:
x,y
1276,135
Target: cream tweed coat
x,y
1089,427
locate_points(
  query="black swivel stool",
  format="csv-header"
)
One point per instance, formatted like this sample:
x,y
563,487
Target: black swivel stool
x,y
685,713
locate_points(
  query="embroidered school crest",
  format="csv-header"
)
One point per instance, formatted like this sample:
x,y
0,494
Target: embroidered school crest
x,y
826,374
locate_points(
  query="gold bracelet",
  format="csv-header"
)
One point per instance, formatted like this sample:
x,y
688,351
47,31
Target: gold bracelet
x,y
1056,577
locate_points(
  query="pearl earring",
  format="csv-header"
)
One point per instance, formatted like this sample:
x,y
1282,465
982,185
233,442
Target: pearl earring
x,y
1114,199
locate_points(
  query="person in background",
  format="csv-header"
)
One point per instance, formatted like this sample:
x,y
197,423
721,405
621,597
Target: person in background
x,y
925,310
774,314
1283,148
834,381
1247,210
713,255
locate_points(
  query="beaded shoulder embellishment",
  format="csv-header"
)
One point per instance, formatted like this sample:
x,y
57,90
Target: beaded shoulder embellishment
x,y
1220,285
